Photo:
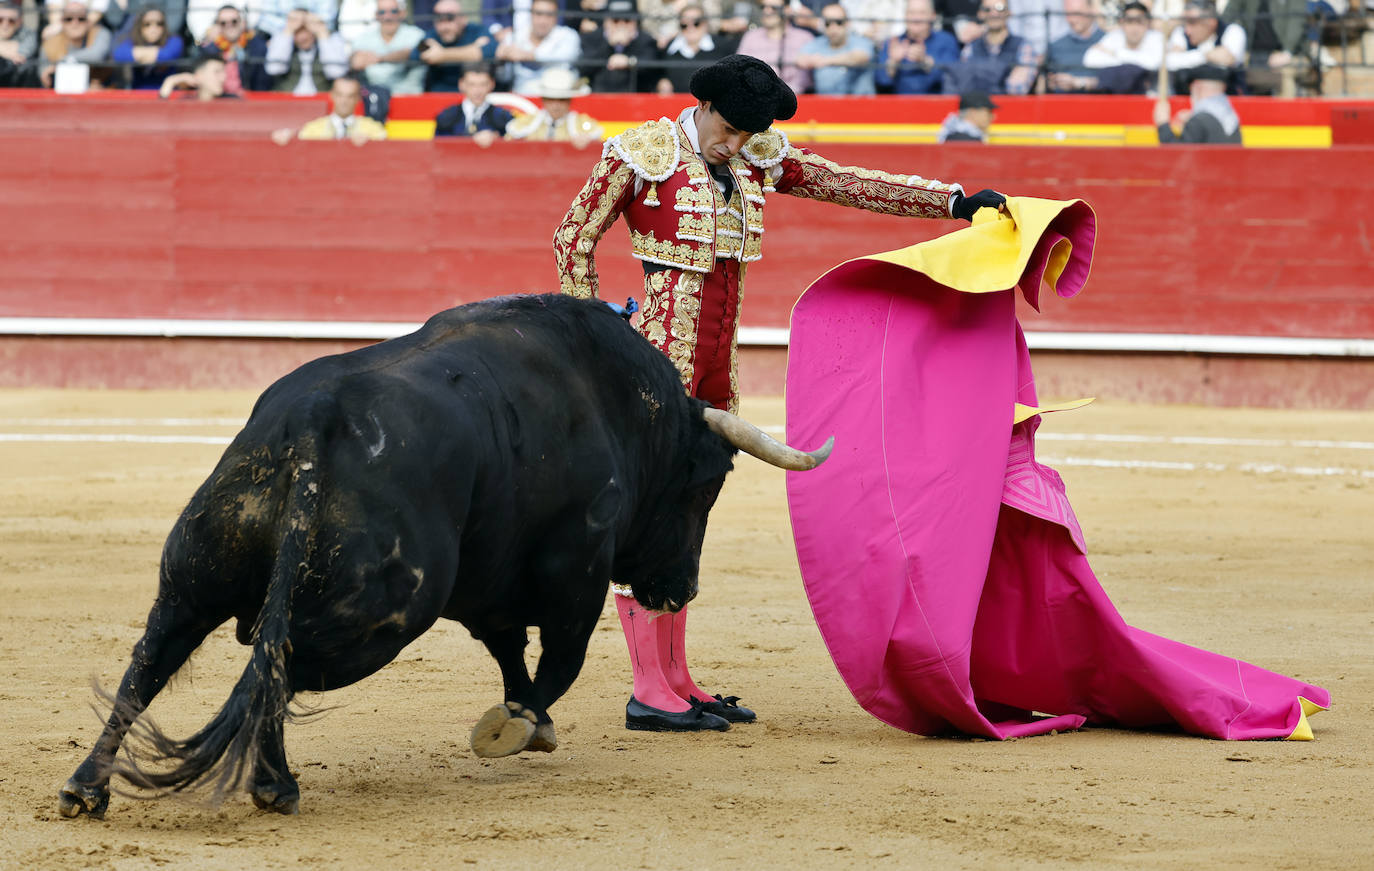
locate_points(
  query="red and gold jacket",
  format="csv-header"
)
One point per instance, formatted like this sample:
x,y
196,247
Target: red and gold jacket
x,y
677,216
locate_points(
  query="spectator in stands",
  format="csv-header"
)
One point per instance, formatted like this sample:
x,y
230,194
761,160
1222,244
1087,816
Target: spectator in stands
x,y
450,43
544,43
149,49
693,48
305,56
1277,32
1039,23
998,61
78,40
658,18
343,120
382,53
1126,60
121,17
18,44
779,43
273,16
971,122
587,16
204,83
243,51
357,16
841,61
620,58
557,122
1212,119
961,19
1198,42
877,20
476,116
914,63
1064,63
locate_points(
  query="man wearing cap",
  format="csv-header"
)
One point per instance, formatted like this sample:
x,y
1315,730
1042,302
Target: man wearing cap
x,y
971,122
1212,118
693,192
556,121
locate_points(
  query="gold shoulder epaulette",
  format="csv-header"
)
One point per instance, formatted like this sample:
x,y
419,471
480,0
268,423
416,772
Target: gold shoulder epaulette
x,y
767,149
522,126
651,149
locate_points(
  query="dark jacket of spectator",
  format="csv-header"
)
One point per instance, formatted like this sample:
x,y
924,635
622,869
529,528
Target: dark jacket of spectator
x,y
453,121
677,67
248,58
942,51
641,50
985,67
1066,52
13,75
444,77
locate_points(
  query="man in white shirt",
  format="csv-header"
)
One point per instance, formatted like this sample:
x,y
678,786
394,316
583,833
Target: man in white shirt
x,y
1199,41
547,43
1126,60
382,52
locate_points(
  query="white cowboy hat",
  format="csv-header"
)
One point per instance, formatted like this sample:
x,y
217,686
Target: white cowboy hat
x,y
560,83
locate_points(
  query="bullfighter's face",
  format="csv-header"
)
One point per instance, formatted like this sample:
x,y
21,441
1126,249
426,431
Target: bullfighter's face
x,y
719,139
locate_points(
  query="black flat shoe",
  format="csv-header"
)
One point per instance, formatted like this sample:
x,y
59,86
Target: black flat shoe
x,y
642,718
726,708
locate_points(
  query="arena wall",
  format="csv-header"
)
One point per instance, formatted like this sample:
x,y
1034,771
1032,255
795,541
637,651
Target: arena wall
x,y
171,225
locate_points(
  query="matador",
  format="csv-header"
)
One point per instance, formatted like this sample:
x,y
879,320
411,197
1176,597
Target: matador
x,y
693,191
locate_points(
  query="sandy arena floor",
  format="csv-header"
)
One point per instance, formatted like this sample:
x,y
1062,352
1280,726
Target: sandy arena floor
x,y
1251,539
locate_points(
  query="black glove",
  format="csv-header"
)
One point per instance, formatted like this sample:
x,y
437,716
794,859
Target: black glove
x,y
964,207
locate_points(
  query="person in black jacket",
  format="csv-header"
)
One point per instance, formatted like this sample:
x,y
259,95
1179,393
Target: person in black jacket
x,y
613,55
694,47
475,116
1212,120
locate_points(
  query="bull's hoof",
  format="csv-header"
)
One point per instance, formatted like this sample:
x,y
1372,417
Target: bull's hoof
x,y
74,799
544,740
282,798
503,731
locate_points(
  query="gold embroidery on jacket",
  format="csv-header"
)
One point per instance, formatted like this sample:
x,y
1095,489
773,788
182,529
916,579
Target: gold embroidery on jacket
x,y
869,189
588,219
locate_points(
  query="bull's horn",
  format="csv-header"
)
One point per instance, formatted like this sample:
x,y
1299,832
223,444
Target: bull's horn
x,y
755,442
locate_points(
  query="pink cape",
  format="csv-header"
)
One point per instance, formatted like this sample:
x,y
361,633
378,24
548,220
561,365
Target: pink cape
x,y
944,565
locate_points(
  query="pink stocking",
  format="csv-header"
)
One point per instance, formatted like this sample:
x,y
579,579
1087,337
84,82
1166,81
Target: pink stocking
x,y
641,628
672,652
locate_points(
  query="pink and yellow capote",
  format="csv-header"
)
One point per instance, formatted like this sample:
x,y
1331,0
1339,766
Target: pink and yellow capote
x,y
944,564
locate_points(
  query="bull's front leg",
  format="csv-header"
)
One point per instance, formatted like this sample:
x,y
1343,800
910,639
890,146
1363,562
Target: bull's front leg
x,y
510,727
564,650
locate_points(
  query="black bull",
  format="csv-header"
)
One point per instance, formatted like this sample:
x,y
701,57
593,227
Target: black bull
x,y
497,467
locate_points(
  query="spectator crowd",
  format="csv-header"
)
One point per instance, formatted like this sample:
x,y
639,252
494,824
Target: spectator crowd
x,y
849,47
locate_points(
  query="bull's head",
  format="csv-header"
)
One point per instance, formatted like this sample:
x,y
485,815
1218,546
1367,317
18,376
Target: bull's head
x,y
680,522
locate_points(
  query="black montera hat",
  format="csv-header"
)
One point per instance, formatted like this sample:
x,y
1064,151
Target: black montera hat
x,y
1208,72
745,91
976,100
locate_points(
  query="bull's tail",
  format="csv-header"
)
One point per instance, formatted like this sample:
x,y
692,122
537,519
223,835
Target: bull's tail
x,y
220,756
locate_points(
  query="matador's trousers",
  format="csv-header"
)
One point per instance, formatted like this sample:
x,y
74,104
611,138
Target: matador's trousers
x,y
693,317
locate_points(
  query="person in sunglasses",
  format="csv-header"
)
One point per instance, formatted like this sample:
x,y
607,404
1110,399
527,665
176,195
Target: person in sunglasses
x,y
77,40
382,52
693,192
840,60
243,51
18,44
998,62
693,48
148,50
450,42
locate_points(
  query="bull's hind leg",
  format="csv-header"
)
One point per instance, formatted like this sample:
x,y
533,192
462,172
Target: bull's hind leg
x,y
273,788
510,727
173,632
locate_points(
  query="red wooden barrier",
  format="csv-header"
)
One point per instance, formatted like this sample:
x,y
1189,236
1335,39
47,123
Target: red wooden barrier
x,y
1195,240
